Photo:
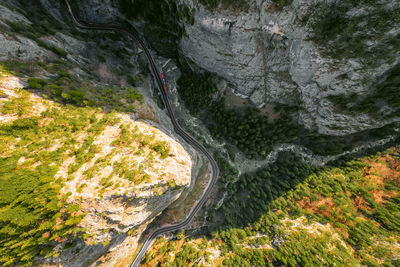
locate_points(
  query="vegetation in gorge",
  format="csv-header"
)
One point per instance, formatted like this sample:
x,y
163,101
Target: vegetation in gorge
x,y
247,129
38,136
227,173
197,90
252,132
291,214
168,21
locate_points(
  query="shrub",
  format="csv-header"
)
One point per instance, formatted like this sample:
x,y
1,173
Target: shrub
x,y
282,3
161,148
59,51
119,71
25,123
133,95
132,79
36,83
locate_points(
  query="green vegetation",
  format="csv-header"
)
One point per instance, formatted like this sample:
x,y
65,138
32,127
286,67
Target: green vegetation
x,y
247,129
132,96
227,174
66,88
280,4
4,71
241,5
165,17
359,200
185,253
161,148
196,90
132,80
250,131
35,216
36,83
293,215
254,134
252,193
344,36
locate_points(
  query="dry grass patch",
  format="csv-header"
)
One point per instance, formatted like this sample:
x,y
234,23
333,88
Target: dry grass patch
x,y
380,171
323,206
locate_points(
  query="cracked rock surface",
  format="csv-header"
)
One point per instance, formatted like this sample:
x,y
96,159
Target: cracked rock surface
x,y
267,55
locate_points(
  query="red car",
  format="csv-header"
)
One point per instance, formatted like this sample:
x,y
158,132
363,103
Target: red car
x,y
163,82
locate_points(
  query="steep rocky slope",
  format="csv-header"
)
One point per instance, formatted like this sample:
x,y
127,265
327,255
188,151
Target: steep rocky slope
x,y
302,54
85,166
328,59
312,73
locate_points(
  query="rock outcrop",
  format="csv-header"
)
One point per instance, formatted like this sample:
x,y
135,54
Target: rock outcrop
x,y
266,54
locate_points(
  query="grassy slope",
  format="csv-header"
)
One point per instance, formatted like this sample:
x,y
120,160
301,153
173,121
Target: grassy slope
x,y
37,138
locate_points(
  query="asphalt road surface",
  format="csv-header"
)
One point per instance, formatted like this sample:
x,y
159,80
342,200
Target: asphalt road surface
x,y
193,142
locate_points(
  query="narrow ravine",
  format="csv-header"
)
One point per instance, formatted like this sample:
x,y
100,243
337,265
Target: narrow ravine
x,y
241,163
200,132
184,135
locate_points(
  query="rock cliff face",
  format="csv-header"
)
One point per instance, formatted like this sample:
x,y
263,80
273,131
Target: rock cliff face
x,y
269,55
298,53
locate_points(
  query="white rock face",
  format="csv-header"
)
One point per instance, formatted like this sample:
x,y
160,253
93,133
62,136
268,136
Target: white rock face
x,y
23,48
265,54
13,46
8,15
128,207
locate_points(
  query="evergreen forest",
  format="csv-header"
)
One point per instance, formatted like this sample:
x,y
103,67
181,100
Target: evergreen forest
x,y
291,214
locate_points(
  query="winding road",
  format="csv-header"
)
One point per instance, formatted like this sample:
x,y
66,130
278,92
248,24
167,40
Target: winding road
x,y
193,142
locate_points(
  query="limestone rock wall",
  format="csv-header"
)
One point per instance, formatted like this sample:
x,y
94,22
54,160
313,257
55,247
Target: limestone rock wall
x,y
266,54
